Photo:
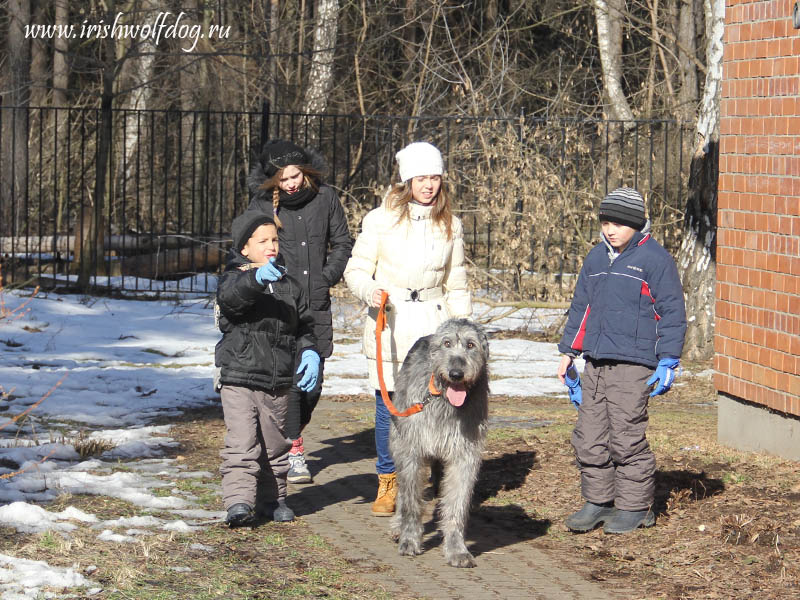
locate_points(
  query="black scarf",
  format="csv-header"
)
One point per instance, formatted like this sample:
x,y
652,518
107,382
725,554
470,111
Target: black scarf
x,y
297,200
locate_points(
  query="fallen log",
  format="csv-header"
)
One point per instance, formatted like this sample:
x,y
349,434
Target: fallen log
x,y
172,264
129,242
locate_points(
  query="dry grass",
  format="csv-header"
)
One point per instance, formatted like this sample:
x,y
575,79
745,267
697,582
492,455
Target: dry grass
x,y
728,522
87,446
271,561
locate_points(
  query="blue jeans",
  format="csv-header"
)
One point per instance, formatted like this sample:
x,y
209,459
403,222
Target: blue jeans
x,y
384,464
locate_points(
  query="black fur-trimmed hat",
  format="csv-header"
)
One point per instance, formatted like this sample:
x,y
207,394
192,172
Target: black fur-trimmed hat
x,y
624,206
245,224
277,154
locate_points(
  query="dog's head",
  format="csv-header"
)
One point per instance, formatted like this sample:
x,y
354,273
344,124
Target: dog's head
x,y
459,352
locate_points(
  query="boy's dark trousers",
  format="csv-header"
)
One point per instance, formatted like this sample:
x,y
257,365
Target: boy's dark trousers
x,y
256,453
613,455
302,405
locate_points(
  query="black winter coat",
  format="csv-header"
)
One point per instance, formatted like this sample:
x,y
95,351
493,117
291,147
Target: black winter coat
x,y
316,244
265,328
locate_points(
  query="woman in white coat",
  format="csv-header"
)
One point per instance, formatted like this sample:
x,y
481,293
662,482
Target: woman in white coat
x,y
412,248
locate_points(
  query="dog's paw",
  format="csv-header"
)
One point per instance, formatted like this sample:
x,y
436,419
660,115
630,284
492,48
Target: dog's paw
x,y
461,560
409,548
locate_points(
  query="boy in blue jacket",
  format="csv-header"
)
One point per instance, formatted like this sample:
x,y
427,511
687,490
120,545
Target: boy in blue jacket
x,y
628,318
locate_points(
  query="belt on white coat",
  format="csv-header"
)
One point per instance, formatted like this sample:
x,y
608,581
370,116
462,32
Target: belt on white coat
x,y
419,295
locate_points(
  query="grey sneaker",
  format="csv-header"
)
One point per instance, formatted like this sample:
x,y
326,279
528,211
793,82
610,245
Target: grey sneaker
x,y
589,516
283,514
298,471
625,521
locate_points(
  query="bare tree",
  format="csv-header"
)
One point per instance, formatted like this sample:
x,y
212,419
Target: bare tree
x,y
91,247
274,44
134,84
697,256
609,15
15,122
687,52
40,69
60,49
320,78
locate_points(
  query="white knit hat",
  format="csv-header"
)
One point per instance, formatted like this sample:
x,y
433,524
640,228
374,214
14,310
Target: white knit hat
x,y
419,158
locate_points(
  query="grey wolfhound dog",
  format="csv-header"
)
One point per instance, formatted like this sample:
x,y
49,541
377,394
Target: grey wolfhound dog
x,y
449,432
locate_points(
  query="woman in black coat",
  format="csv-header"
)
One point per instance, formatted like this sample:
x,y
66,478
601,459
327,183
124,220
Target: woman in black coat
x,y
286,183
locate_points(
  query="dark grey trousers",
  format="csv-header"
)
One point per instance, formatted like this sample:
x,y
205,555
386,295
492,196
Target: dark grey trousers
x,y
302,404
613,455
255,460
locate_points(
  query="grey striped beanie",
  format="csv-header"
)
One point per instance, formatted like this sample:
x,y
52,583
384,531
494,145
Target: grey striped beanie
x,y
624,206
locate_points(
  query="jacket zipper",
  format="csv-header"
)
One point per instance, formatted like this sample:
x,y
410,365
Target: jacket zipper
x,y
274,356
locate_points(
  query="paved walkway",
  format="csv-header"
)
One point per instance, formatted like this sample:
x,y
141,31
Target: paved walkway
x,y
337,507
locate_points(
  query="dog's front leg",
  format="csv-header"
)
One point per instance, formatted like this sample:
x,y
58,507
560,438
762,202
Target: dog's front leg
x,y
459,480
407,522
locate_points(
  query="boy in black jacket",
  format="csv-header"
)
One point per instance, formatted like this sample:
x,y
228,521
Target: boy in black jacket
x,y
266,324
627,317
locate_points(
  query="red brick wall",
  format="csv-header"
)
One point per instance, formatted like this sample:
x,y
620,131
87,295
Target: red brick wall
x,y
757,339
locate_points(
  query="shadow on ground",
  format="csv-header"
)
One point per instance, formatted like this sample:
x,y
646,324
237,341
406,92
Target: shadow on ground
x,y
503,473
494,527
490,527
679,485
353,447
337,451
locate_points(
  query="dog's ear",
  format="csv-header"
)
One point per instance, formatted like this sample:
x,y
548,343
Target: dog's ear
x,y
484,339
422,345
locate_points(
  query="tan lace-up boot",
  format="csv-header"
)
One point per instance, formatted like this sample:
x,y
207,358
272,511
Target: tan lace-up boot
x,y
387,492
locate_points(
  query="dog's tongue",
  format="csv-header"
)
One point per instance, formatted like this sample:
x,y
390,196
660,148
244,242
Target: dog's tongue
x,y
456,394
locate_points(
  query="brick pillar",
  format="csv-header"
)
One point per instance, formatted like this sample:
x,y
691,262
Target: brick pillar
x,y
757,337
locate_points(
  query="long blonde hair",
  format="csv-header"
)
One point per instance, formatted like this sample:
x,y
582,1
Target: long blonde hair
x,y
310,178
400,197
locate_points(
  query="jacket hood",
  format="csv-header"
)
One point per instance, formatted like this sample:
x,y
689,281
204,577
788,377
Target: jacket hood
x,y
637,237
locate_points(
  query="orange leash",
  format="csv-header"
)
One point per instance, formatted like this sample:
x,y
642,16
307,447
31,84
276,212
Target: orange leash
x,y
380,324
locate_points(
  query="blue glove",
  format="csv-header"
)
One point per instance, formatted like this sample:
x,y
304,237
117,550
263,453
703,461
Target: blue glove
x,y
268,272
573,381
664,375
309,366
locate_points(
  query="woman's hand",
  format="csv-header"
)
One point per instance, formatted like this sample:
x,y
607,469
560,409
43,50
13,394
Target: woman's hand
x,y
375,301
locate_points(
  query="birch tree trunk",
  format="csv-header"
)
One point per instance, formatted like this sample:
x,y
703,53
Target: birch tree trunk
x,y
274,41
320,77
139,70
608,14
697,255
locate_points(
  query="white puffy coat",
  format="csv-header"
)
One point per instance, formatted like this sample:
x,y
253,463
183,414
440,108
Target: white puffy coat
x,y
399,258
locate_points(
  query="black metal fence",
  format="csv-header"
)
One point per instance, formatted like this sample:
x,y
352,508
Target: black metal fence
x,y
173,180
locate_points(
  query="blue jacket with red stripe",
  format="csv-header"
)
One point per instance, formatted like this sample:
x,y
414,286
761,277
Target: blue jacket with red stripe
x,y
629,308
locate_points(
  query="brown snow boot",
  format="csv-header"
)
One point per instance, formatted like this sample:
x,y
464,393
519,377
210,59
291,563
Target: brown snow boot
x,y
387,492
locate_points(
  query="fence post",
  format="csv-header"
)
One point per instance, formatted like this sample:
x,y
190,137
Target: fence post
x,y
520,204
264,124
